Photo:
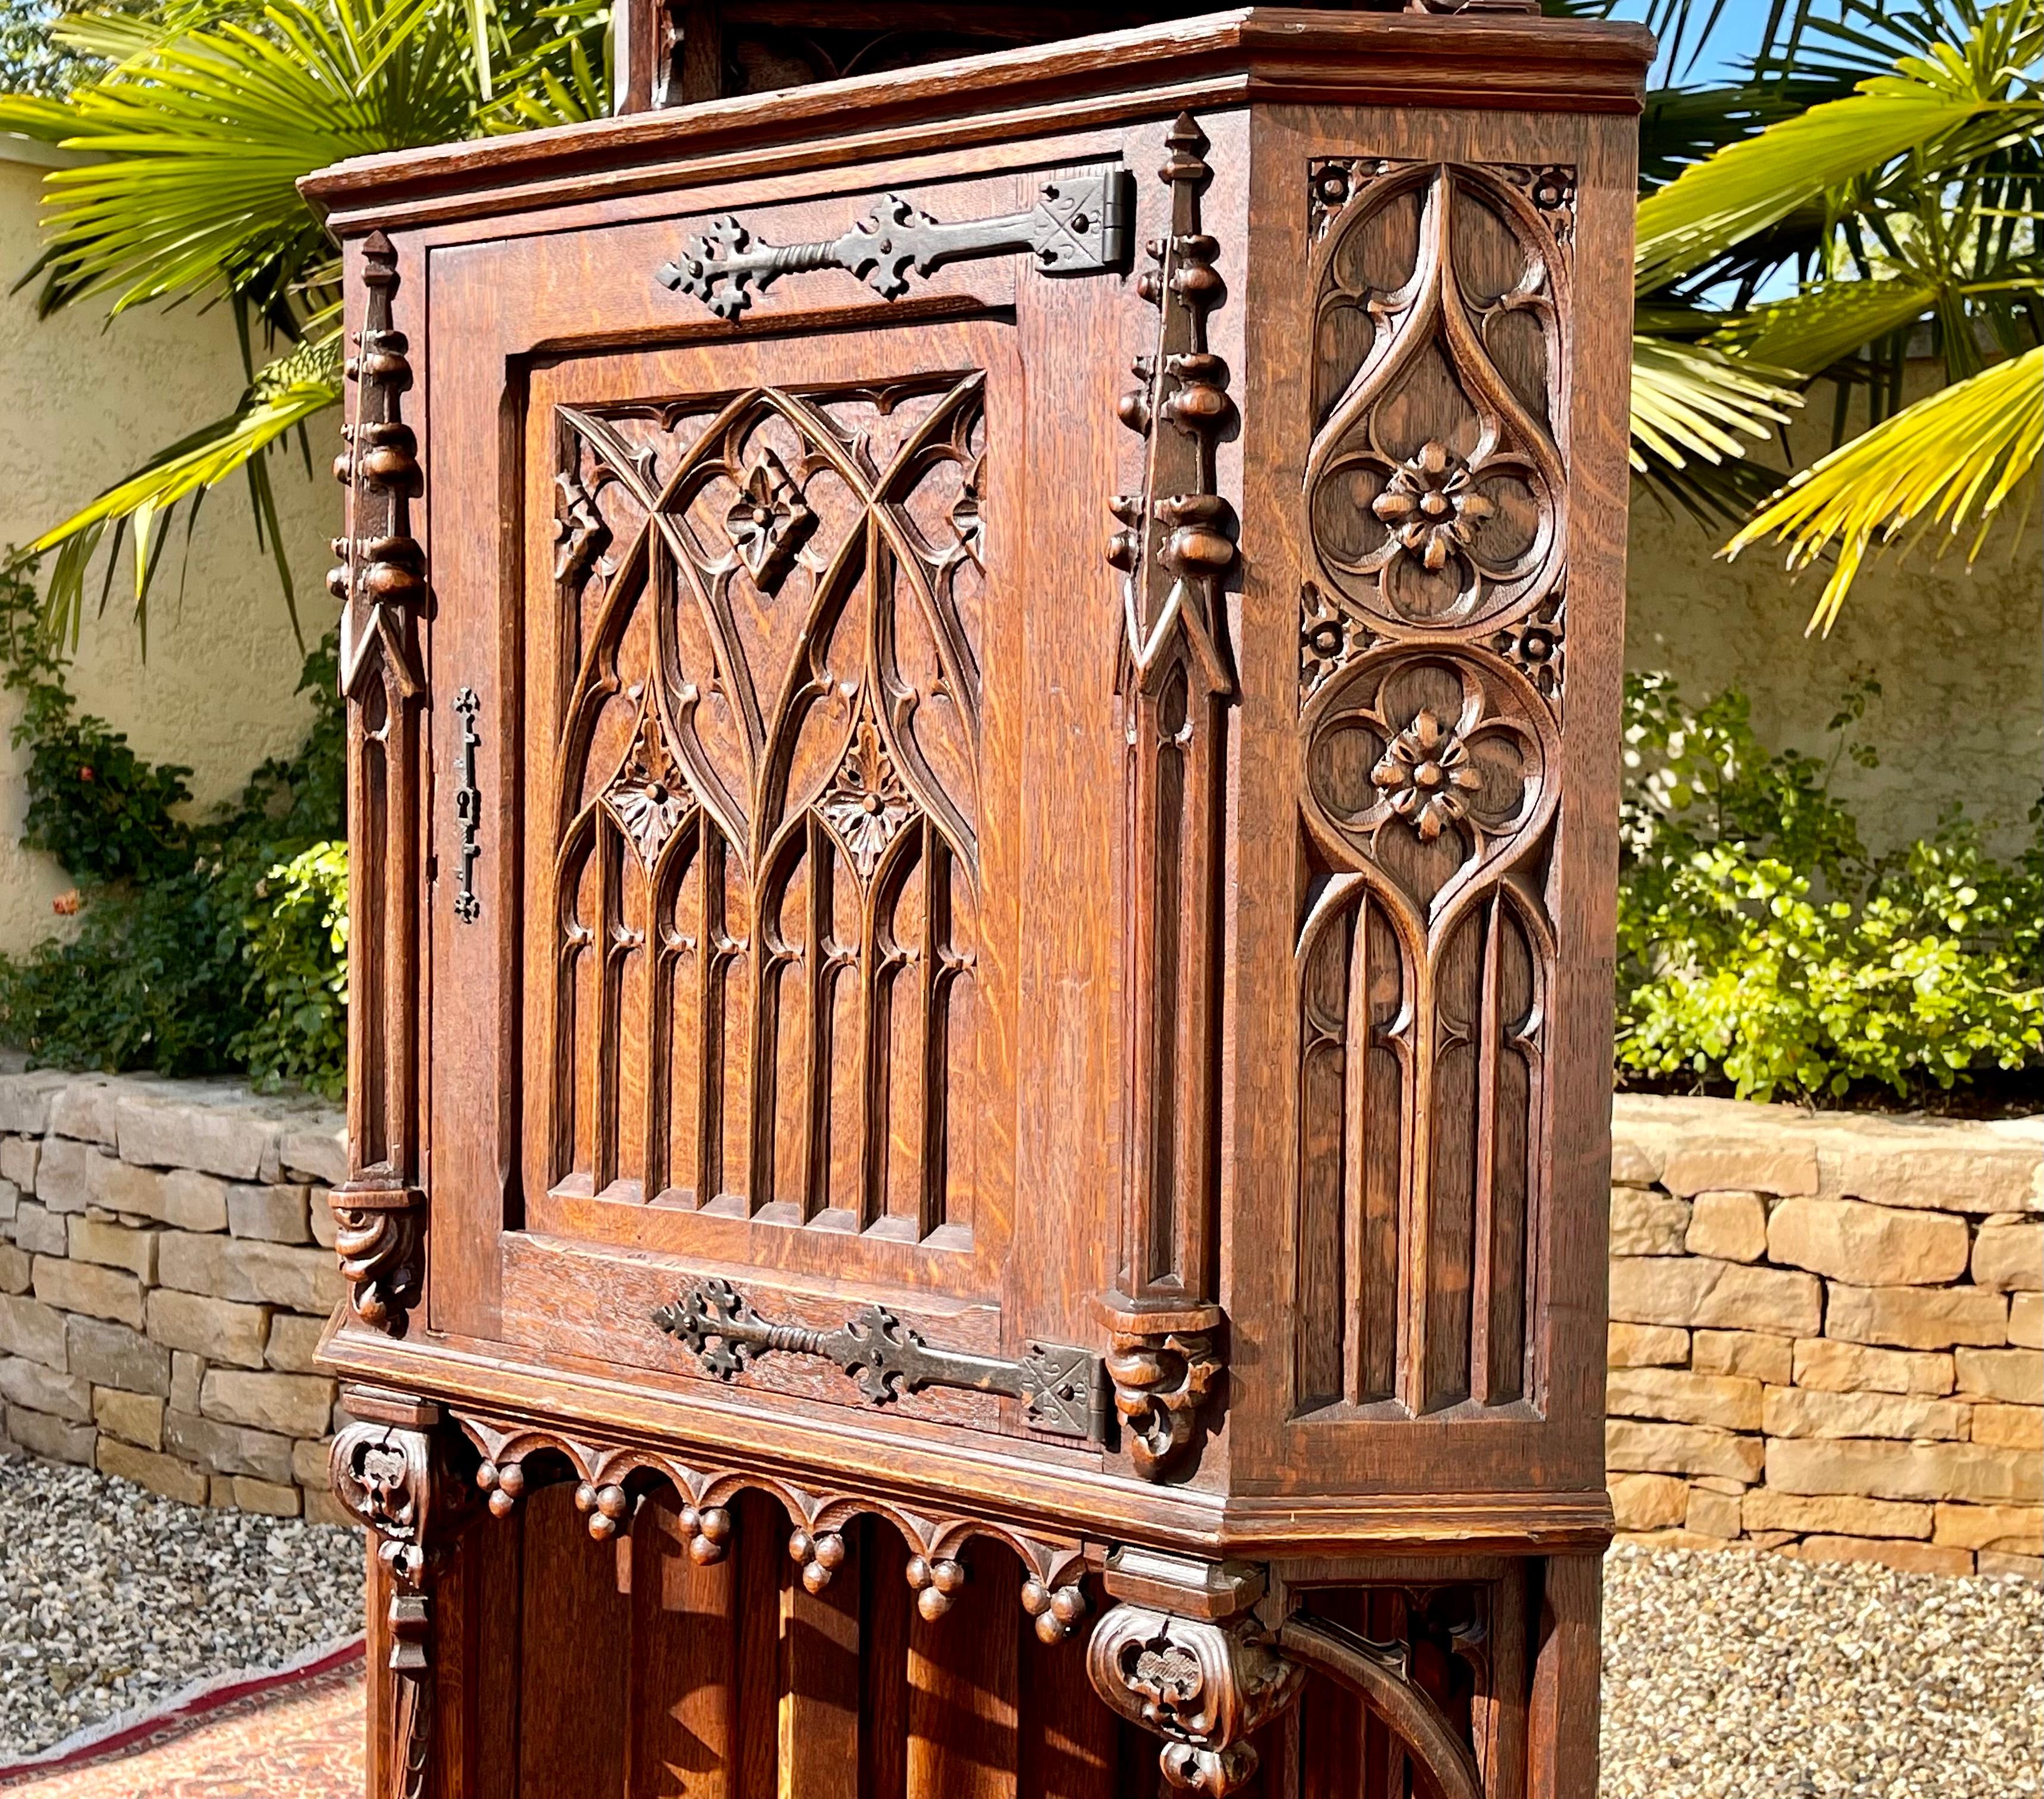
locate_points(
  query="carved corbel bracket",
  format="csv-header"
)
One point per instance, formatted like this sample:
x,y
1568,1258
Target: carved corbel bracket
x,y
399,1471
379,1237
1163,1366
1184,1656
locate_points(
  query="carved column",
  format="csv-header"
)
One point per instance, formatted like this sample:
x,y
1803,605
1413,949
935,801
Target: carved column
x,y
404,1474
1183,1655
1175,549
380,581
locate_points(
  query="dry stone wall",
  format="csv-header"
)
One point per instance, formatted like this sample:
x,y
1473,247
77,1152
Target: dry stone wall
x,y
166,1269
1828,1334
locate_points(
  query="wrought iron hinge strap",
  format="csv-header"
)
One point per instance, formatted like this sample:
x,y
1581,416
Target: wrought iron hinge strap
x,y
1081,224
1064,1389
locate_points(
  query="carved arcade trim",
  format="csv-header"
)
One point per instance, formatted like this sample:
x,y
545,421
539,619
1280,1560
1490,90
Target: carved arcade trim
x,y
611,1480
1175,550
406,1484
380,583
1077,225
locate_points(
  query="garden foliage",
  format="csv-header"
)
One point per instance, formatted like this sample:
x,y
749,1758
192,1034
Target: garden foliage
x,y
202,946
1761,946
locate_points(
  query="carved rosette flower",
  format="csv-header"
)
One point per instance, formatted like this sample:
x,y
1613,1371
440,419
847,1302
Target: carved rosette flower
x,y
1551,187
650,798
770,522
1430,505
866,804
1535,647
1425,774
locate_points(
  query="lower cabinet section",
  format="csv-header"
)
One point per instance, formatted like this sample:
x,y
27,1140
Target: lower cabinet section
x,y
536,1635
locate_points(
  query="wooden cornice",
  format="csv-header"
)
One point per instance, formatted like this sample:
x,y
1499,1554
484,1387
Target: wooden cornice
x,y
1272,54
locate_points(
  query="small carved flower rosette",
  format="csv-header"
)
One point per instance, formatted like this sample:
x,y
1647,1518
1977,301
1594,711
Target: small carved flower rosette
x,y
1428,766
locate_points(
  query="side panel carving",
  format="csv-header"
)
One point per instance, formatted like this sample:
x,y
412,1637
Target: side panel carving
x,y
1431,698
760,903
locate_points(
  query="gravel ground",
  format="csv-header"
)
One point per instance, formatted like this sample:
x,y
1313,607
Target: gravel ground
x,y
111,1597
1726,1676
1731,1675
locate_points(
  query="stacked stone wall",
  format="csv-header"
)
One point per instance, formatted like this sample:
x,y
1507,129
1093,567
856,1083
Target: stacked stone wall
x,y
1828,1335
166,1269
1827,1331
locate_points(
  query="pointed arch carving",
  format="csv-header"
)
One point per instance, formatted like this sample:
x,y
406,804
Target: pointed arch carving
x,y
764,880
1436,491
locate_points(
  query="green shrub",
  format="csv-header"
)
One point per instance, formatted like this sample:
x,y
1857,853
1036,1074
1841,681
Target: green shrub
x,y
298,942
201,947
1761,945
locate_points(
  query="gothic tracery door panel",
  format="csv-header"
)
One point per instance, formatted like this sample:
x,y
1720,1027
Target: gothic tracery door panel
x,y
761,601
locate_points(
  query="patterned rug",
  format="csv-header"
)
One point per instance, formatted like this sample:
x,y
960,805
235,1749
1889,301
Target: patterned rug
x,y
296,1734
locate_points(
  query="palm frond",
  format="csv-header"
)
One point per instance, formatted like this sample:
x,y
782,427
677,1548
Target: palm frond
x,y
291,390
202,138
1951,459
1812,330
1690,401
1750,186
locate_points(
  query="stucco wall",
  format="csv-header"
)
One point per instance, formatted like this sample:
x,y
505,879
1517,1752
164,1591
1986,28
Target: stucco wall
x,y
80,405
1959,655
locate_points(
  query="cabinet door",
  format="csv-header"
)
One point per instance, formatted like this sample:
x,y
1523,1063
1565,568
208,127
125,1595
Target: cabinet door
x,y
759,1026
772,914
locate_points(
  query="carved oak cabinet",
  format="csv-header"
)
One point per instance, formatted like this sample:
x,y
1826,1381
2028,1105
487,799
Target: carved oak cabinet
x,y
985,724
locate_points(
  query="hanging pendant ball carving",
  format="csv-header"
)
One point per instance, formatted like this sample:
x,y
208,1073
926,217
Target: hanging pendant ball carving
x,y
708,1529
937,1581
1423,775
1055,1609
605,1507
505,1486
820,1556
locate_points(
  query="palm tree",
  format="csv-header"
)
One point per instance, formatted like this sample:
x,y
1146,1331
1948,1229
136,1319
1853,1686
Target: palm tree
x,y
205,117
1907,206
1888,161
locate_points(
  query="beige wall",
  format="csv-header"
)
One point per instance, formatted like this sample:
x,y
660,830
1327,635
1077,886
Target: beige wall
x,y
1959,654
80,404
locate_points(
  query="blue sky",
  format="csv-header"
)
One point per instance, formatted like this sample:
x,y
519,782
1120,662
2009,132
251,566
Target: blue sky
x,y
1738,29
